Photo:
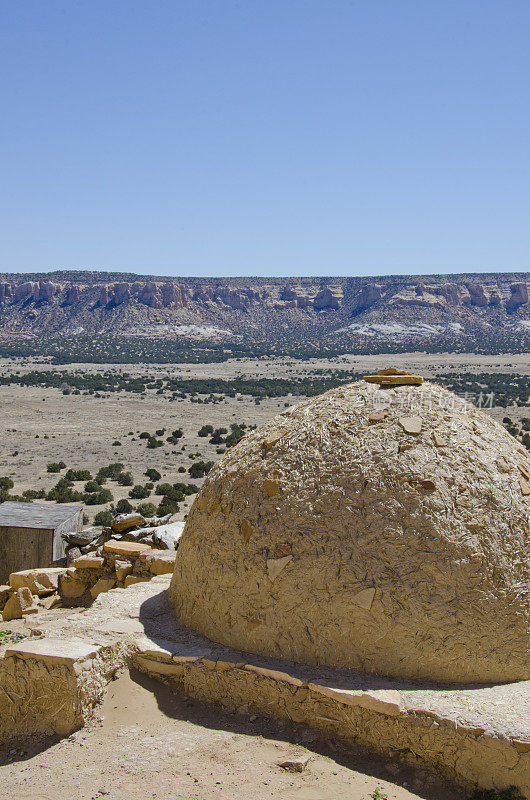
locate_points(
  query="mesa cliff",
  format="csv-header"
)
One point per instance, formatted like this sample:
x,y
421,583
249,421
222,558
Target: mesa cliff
x,y
266,309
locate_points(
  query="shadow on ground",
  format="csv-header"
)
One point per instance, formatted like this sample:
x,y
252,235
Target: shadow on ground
x,y
173,705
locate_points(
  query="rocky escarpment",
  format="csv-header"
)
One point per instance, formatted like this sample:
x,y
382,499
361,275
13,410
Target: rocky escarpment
x,y
264,308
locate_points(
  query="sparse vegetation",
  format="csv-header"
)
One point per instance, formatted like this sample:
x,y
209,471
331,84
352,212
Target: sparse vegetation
x,y
146,509
139,492
206,430
103,518
78,475
11,637
200,468
55,466
123,506
153,474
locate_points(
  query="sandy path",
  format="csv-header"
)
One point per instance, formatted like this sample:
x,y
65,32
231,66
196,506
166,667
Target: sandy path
x,y
153,745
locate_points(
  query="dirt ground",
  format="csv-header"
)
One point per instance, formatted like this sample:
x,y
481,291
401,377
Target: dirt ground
x,y
150,744
80,430
38,426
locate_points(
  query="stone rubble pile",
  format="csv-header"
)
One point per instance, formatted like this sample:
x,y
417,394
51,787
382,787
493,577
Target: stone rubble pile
x,y
133,549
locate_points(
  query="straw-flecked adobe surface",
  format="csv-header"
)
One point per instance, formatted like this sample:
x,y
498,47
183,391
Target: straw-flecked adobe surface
x,y
338,534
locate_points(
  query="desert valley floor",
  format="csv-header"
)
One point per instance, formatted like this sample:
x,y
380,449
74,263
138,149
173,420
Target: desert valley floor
x,y
43,425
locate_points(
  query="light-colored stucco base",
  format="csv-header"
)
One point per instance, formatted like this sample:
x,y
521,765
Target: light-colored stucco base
x,y
50,684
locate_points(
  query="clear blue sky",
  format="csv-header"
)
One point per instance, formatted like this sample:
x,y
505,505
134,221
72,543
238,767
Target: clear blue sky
x,y
265,137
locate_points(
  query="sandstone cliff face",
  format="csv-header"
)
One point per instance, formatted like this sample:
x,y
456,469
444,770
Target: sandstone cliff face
x,y
325,299
369,294
265,308
477,295
519,296
449,291
72,295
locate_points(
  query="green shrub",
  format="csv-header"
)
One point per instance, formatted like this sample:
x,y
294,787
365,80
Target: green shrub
x,y
34,494
152,474
162,488
112,471
62,492
78,475
237,433
98,498
123,507
103,518
55,466
6,483
205,430
146,509
11,637
167,506
124,479
186,488
92,486
200,468
139,492
175,436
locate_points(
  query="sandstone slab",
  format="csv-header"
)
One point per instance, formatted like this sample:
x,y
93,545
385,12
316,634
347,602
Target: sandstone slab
x,y
377,416
272,438
439,439
84,537
384,701
71,587
168,536
160,562
411,425
124,522
393,377
124,548
130,580
271,487
294,764
89,562
5,593
103,585
364,598
54,651
122,568
39,581
12,609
